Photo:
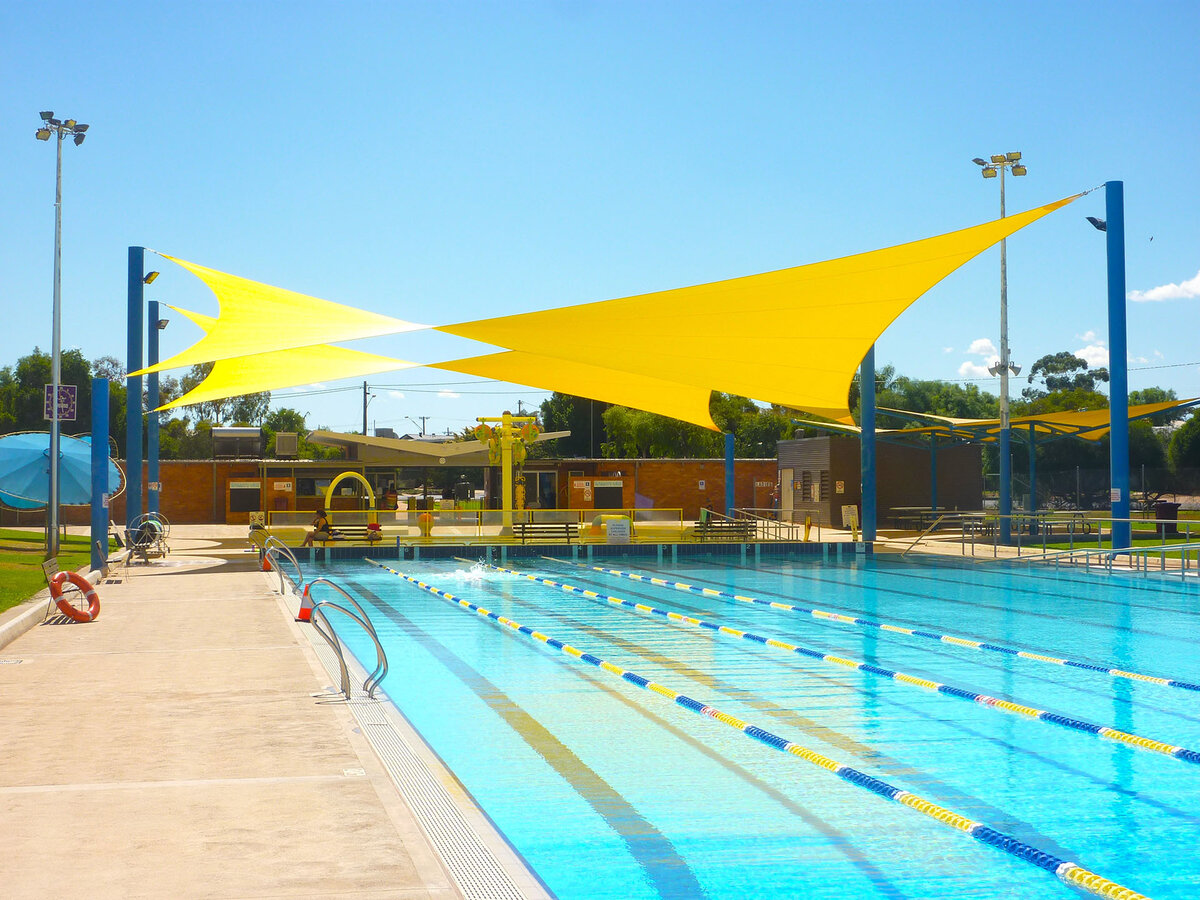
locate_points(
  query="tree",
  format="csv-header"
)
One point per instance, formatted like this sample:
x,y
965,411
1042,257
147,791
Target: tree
x,y
1157,395
249,409
581,416
1184,450
1063,371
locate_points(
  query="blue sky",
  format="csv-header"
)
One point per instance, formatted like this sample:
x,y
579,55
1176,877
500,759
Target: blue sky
x,y
441,162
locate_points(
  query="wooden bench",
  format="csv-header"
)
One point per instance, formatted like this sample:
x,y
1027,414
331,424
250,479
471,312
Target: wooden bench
x,y
727,530
545,531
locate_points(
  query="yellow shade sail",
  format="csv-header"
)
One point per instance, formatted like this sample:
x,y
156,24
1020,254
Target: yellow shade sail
x,y
280,368
256,318
793,336
688,403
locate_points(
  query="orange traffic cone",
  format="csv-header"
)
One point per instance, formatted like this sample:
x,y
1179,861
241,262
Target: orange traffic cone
x,y
306,606
266,563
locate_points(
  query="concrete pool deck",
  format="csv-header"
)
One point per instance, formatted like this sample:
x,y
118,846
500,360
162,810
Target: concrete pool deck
x,y
186,744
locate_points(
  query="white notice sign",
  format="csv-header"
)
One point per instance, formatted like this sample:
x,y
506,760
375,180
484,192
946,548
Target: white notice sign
x,y
618,531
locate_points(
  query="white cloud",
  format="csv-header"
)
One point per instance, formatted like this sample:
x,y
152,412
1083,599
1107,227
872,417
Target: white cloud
x,y
1088,337
983,347
398,395
1187,290
1094,355
973,370
305,388
448,395
1139,360
1158,354
947,349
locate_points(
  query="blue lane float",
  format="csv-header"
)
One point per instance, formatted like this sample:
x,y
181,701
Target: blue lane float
x,y
884,626
1008,706
1068,872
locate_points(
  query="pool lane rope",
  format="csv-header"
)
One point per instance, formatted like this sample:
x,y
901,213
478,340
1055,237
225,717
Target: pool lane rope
x,y
1070,873
898,629
1008,706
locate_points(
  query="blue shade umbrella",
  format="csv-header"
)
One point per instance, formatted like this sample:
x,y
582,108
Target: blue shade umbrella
x,y
25,470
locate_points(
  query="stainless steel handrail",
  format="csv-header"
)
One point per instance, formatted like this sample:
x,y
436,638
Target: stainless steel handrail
x,y
372,681
278,548
936,522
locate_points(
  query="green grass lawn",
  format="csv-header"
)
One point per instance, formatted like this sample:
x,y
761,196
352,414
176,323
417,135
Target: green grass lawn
x,y
1141,538
21,554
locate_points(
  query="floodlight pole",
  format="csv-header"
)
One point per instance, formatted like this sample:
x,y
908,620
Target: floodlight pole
x,y
1005,425
55,360
1004,161
1118,365
133,388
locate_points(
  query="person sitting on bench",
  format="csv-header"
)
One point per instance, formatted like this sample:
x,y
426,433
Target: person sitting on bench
x,y
322,531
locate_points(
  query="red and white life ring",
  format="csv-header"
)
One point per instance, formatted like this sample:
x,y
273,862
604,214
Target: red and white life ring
x,y
66,608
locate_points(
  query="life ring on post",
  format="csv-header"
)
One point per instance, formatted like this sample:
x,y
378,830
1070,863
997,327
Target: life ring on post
x,y
65,607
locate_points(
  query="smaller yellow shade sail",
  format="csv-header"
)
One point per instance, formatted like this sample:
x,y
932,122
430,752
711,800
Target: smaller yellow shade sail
x,y
688,403
257,318
280,368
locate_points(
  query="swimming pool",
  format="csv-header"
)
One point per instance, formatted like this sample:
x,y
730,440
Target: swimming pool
x,y
611,790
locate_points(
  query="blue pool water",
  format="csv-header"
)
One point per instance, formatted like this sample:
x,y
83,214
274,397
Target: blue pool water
x,y
611,791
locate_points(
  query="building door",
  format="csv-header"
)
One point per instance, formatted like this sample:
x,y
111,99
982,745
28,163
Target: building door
x,y
786,499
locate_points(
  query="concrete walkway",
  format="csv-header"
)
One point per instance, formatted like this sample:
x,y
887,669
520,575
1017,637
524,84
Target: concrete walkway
x,y
182,745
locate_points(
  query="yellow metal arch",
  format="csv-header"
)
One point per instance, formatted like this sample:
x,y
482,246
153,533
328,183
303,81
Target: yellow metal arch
x,y
371,517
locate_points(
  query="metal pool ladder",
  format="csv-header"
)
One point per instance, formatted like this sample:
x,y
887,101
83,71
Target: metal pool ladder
x,y
359,615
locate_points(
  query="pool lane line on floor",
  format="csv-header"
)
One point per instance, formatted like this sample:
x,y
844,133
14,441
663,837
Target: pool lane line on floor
x,y
884,626
1068,872
1008,706
892,767
511,712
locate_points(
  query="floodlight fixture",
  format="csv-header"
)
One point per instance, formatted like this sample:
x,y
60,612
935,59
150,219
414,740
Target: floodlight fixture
x,y
47,115
979,162
999,158
42,134
79,139
1098,224
162,324
80,129
1013,156
149,279
989,172
1019,170
70,123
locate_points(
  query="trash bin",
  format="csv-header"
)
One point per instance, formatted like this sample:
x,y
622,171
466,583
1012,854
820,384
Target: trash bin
x,y
1167,515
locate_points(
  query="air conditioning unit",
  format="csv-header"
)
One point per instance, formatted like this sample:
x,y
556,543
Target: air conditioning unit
x,y
287,444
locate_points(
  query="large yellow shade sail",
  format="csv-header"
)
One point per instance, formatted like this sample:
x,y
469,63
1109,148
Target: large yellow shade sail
x,y
688,403
257,318
793,336
280,368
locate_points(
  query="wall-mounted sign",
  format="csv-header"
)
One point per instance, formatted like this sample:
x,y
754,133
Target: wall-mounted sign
x,y
850,516
581,485
700,485
244,485
285,486
1114,495
814,491
601,484
839,487
764,484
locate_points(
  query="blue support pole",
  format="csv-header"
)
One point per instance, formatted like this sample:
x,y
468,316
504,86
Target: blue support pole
x,y
866,383
133,387
1032,504
933,500
1118,365
152,417
730,497
100,485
